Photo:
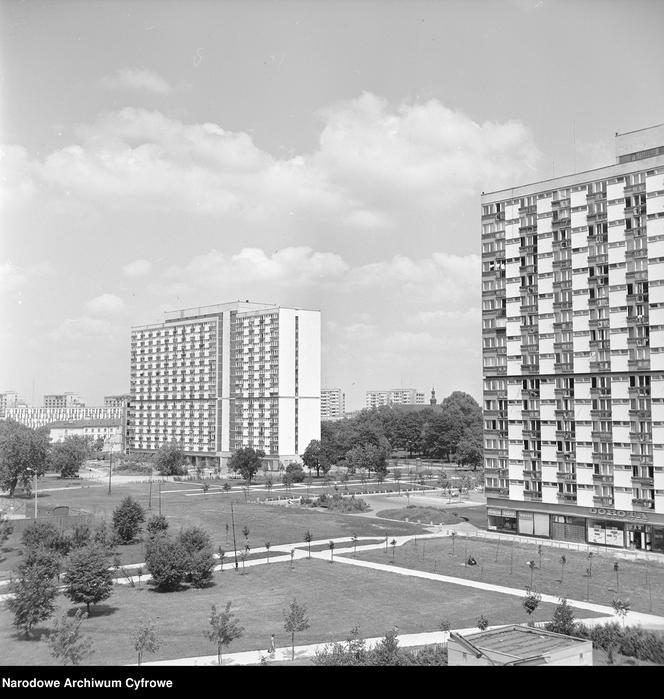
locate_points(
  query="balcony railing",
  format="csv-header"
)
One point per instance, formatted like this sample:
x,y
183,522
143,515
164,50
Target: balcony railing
x,y
602,500
567,497
644,480
603,477
499,492
532,495
565,476
643,503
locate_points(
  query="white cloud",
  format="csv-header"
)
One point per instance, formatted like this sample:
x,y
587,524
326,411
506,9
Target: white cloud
x,y
105,304
16,181
376,167
82,328
137,79
137,268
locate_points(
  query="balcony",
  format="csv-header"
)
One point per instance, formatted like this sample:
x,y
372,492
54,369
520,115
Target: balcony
x,y
535,475
565,476
644,481
643,503
532,495
603,500
638,364
497,492
566,497
641,459
603,477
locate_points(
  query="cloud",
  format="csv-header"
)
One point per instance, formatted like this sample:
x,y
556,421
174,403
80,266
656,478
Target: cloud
x,y
105,304
82,328
16,182
137,79
13,277
376,167
137,268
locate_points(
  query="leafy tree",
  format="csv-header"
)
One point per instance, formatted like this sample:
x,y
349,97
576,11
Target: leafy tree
x,y
470,447
200,557
308,538
295,621
168,562
387,650
68,456
563,619
530,603
331,547
46,535
127,519
169,459
65,641
34,595
81,535
563,563
23,451
296,472
315,457
145,638
157,524
5,529
105,536
621,608
482,622
224,628
87,578
247,462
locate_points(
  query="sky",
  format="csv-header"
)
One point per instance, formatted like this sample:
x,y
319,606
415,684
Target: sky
x,y
330,155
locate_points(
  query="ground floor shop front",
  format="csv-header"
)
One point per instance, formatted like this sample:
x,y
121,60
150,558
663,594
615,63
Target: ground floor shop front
x,y
586,525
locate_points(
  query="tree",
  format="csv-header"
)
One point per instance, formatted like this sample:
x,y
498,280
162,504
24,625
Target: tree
x,y
224,628
157,524
563,562
296,472
199,554
246,462
23,452
45,535
295,621
470,447
563,619
331,546
87,578
386,651
393,544
315,457
169,459
5,529
482,622
168,562
145,638
65,641
531,565
127,519
68,456
530,603
105,536
621,608
308,538
34,595
616,569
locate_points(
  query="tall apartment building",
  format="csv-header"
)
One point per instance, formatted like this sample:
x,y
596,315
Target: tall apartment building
x,y
395,396
227,376
38,417
573,352
63,400
332,403
8,399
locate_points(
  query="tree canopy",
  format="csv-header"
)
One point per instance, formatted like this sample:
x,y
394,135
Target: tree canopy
x,y
246,462
23,451
68,456
169,459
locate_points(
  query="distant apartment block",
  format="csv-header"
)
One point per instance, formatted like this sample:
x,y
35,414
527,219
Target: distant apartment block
x,y
38,417
332,403
119,401
227,376
110,431
8,399
63,400
395,396
573,352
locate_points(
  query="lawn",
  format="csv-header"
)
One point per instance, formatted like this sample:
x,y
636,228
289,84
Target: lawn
x,y
337,597
642,585
185,506
433,515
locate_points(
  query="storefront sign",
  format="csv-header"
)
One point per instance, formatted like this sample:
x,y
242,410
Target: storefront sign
x,y
617,514
493,512
509,513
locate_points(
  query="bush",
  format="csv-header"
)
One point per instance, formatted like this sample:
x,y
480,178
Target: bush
x,y
296,472
87,577
340,504
168,561
81,536
127,519
105,537
157,524
199,556
46,535
633,641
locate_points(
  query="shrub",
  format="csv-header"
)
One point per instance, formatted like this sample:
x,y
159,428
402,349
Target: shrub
x,y
127,519
167,561
296,472
157,524
87,577
80,536
105,537
340,504
563,619
633,641
199,556
46,535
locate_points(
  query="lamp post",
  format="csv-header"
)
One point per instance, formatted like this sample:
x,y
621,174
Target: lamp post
x,y
34,471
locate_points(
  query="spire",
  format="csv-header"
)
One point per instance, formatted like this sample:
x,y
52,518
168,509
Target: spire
x,y
433,400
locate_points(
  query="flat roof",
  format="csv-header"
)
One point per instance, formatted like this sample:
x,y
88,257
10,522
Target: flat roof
x,y
522,641
60,424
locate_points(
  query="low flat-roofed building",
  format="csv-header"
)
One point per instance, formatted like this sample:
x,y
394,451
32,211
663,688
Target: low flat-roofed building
x,y
110,431
518,645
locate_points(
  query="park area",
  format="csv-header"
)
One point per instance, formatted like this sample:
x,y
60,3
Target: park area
x,y
506,563
337,597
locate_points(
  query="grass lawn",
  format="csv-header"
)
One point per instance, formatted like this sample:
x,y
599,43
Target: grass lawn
x,y
426,515
632,576
185,507
378,601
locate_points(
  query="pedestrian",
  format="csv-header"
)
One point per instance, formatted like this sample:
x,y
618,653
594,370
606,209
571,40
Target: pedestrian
x,y
272,649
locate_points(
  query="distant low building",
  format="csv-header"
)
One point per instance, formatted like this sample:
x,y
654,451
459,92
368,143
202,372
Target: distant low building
x,y
332,403
38,417
63,400
8,399
518,645
119,401
111,431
